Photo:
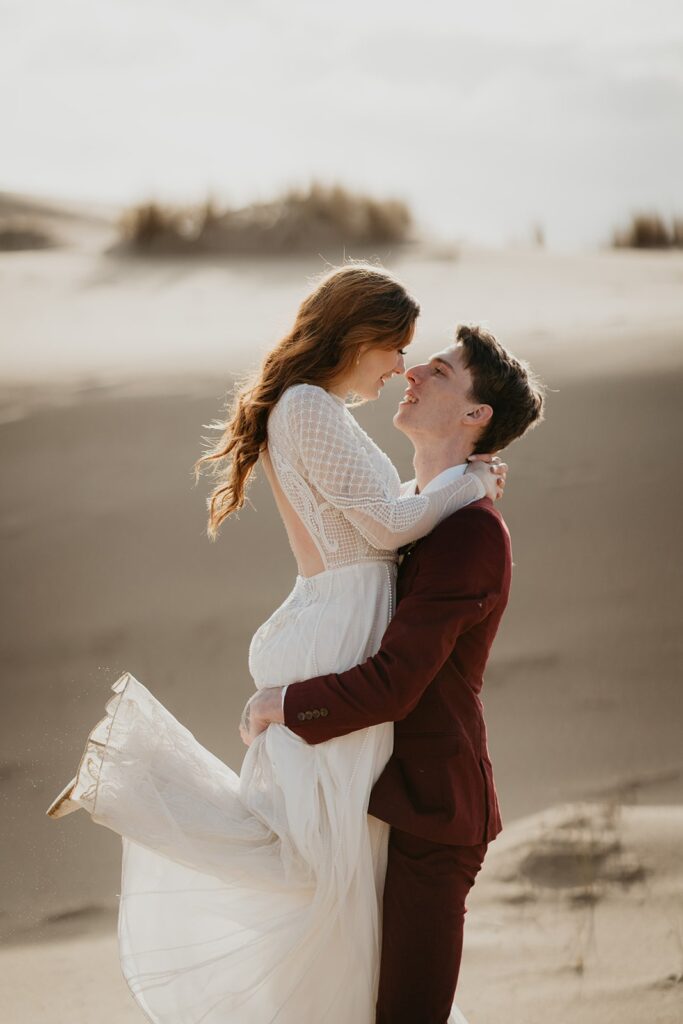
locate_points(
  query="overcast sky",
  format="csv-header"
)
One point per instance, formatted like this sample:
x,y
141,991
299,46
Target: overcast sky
x,y
486,118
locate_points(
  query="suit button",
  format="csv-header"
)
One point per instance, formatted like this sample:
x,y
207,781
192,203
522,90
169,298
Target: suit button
x,y
301,716
308,715
316,713
324,712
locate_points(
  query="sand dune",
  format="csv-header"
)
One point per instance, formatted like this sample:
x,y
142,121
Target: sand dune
x,y
114,319
110,372
28,223
576,919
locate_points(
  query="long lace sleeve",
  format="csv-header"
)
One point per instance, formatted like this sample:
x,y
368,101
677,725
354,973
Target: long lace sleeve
x,y
339,463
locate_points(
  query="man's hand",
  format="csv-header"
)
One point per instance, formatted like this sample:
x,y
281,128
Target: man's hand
x,y
264,708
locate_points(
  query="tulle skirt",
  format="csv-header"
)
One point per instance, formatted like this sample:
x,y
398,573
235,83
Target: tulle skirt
x,y
252,898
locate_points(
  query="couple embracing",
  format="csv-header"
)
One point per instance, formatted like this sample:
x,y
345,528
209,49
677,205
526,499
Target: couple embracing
x,y
327,881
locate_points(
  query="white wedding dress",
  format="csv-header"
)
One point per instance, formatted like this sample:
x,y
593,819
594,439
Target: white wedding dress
x,y
256,898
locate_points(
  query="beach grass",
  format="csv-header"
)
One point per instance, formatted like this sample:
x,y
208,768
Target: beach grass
x,y
649,230
300,220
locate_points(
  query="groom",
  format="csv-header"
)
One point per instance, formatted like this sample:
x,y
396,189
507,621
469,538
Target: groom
x,y
437,790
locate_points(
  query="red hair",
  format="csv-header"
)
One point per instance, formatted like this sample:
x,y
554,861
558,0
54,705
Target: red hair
x,y
352,306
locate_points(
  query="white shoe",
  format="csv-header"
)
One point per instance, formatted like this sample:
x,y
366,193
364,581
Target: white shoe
x,y
63,804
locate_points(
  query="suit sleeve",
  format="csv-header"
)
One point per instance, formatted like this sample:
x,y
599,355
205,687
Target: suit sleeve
x,y
458,581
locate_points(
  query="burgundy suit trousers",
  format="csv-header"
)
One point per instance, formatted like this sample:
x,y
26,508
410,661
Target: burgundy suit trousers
x,y
422,931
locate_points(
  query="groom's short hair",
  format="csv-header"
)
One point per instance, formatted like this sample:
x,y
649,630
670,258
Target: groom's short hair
x,y
508,385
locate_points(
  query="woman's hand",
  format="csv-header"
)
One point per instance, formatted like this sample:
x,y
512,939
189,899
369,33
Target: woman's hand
x,y
261,710
491,471
245,725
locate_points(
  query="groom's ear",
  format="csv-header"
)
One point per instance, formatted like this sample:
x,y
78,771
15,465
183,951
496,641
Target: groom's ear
x,y
479,416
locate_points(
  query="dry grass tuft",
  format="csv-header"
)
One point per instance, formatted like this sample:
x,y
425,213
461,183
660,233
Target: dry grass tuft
x,y
18,234
649,231
305,220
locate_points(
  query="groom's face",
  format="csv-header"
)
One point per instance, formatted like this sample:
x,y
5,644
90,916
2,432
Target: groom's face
x,y
438,397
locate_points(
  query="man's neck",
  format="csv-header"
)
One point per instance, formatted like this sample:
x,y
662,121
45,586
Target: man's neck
x,y
431,459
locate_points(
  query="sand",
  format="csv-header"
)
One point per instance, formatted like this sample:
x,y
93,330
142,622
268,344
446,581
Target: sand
x,y
110,371
576,918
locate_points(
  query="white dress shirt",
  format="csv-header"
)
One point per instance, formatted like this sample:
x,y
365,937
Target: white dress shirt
x,y
441,480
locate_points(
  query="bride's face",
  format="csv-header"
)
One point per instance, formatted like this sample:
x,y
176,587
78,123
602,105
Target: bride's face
x,y
372,369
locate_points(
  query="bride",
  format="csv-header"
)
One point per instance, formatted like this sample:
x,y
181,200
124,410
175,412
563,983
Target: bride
x,y
256,898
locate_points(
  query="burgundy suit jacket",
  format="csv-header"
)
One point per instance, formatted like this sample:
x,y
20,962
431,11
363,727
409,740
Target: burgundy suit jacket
x,y
426,677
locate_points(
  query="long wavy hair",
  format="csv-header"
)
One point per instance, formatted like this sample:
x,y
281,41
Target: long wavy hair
x,y
352,306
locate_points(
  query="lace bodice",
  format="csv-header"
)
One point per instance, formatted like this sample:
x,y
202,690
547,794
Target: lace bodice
x,y
344,489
